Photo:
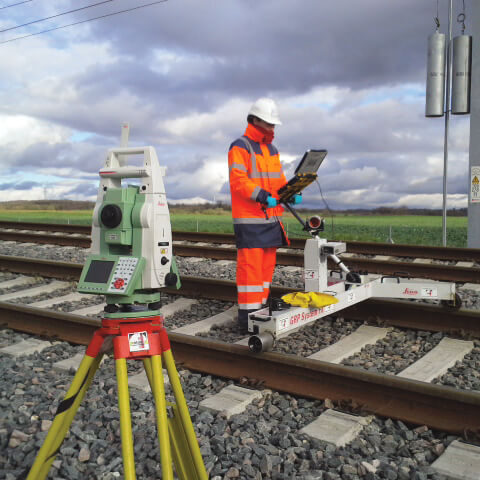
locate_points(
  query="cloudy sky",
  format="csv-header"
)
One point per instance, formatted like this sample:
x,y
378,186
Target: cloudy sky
x,y
348,76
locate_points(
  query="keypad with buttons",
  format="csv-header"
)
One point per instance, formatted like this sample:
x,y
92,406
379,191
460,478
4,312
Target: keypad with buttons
x,y
122,274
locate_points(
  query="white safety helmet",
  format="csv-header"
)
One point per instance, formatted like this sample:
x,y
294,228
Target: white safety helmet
x,y
266,109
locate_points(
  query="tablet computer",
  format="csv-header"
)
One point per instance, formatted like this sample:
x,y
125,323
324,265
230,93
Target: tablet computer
x,y
311,161
305,174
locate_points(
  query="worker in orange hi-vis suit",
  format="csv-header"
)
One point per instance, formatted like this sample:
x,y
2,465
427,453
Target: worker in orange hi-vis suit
x,y
255,176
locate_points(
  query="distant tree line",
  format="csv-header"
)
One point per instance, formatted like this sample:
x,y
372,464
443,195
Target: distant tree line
x,y
47,205
219,208
454,212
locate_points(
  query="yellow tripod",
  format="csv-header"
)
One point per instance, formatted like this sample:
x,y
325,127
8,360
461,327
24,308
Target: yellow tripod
x,y
142,338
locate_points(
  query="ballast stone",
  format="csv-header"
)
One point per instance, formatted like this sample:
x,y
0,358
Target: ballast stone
x,y
461,461
336,427
231,400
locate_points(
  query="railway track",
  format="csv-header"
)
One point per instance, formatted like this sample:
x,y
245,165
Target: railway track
x,y
391,396
365,248
389,259
436,317
388,313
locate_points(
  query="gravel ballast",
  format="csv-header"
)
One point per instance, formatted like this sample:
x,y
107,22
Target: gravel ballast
x,y
263,442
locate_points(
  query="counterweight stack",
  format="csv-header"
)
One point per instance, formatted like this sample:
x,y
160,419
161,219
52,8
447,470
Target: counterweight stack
x,y
461,74
435,95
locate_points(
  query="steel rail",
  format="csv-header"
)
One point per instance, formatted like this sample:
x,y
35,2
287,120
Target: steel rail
x,y
47,227
38,266
395,313
438,407
366,248
450,273
417,315
45,238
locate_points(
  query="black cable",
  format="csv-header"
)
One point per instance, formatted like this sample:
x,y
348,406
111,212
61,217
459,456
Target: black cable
x,y
15,4
326,204
55,16
83,21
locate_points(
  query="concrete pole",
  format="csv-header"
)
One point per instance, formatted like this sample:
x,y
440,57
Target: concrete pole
x,y
474,166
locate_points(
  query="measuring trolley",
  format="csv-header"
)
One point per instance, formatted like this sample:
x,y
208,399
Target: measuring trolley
x,y
347,288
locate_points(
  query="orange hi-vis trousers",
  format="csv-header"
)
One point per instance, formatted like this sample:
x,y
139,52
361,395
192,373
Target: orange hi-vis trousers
x,y
255,267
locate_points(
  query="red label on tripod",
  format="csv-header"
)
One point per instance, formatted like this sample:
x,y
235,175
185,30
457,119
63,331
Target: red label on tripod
x,y
138,341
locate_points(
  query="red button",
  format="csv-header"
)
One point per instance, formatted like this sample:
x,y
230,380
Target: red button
x,y
119,283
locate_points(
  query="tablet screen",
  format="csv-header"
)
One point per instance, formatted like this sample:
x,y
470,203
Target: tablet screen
x,y
311,161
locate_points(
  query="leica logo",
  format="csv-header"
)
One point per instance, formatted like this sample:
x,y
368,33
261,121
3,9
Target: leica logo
x,y
407,291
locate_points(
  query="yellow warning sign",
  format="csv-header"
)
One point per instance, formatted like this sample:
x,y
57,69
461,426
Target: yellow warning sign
x,y
475,185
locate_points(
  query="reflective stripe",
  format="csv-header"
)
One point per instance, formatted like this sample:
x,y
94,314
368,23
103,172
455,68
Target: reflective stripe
x,y
238,166
255,193
266,175
249,306
266,284
253,160
250,288
255,220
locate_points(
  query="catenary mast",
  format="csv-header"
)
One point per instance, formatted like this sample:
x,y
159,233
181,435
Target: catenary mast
x,y
474,163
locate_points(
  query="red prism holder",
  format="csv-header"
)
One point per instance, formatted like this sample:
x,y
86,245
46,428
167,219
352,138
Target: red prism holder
x,y
133,338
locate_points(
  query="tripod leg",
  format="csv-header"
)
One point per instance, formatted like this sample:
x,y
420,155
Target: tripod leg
x,y
158,390
64,417
125,419
184,414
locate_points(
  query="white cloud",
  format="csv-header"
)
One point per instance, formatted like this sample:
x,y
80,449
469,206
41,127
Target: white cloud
x,y
185,85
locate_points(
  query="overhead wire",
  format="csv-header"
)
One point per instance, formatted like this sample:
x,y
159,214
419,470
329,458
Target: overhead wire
x,y
15,4
83,21
55,16
437,19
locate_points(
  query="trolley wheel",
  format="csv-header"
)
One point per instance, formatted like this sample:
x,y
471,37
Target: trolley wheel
x,y
262,342
454,304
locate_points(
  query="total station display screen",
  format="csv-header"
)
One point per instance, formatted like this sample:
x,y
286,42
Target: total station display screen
x,y
99,271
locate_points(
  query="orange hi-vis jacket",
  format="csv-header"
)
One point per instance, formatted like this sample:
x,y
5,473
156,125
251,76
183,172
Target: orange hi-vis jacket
x,y
255,173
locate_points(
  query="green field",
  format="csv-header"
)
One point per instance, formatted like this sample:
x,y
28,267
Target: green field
x,y
410,229
79,217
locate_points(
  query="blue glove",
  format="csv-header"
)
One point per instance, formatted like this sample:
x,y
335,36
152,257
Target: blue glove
x,y
296,199
271,202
